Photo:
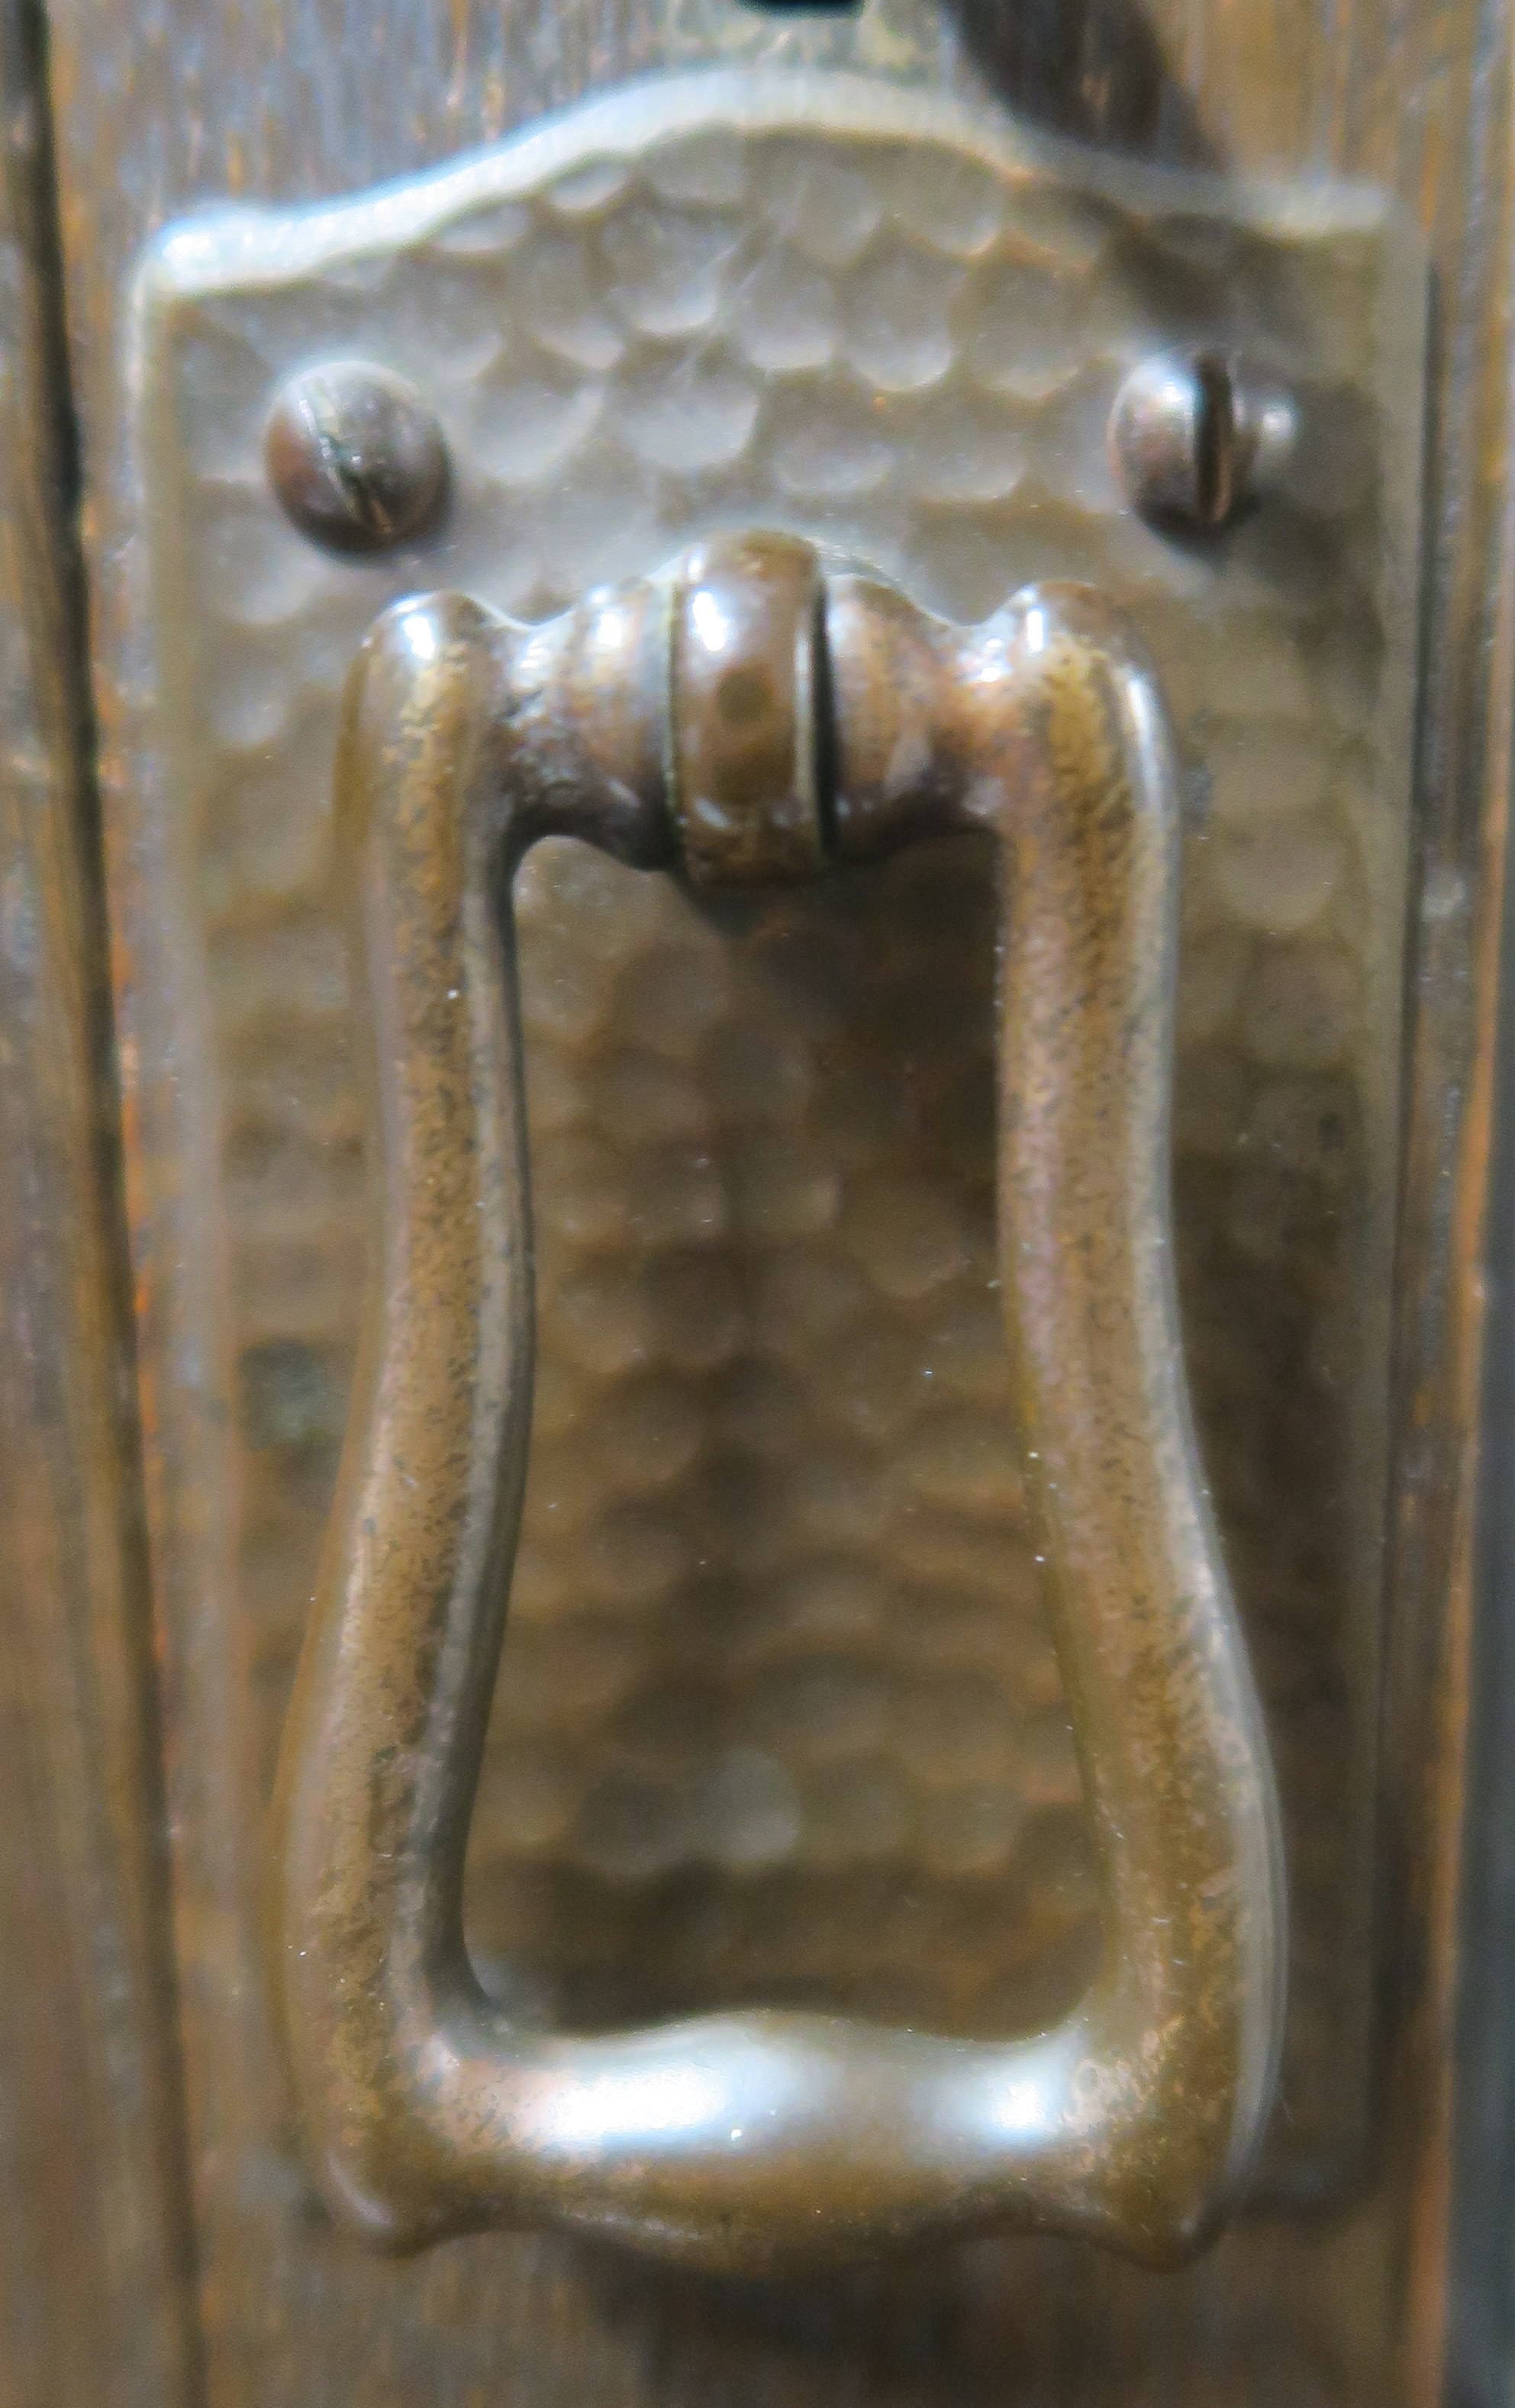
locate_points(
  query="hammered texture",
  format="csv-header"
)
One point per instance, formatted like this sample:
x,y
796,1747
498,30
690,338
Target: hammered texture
x,y
777,1717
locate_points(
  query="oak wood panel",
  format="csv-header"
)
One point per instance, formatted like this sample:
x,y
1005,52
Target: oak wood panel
x,y
1481,2323
185,101
94,2245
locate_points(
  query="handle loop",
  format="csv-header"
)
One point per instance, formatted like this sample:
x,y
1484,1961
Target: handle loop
x,y
759,721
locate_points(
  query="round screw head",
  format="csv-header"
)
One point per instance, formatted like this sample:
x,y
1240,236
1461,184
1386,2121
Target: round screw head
x,y
1192,438
355,456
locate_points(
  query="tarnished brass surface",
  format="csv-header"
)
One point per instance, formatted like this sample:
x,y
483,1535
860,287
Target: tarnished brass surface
x,y
778,1717
164,110
355,456
748,2141
1193,439
746,721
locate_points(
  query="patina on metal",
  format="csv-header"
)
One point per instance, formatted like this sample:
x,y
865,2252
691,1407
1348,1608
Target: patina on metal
x,y
1195,435
759,2140
355,456
745,723
778,1719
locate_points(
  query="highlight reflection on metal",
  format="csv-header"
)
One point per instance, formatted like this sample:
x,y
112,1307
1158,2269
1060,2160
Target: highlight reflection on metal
x,y
355,457
1194,437
831,722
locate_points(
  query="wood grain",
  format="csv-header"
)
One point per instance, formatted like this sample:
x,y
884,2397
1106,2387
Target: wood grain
x,y
95,2244
186,101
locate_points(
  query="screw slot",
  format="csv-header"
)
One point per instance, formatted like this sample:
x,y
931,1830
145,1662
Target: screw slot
x,y
1193,441
355,456
1215,440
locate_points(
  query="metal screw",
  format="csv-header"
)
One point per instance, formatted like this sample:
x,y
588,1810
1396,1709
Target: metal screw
x,y
1193,439
355,456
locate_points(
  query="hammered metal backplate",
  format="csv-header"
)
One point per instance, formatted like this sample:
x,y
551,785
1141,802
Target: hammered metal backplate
x,y
768,1729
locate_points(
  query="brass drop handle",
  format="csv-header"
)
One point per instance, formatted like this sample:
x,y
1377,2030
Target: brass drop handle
x,y
752,720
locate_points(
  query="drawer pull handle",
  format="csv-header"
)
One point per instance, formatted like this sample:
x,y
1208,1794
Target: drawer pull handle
x,y
756,719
